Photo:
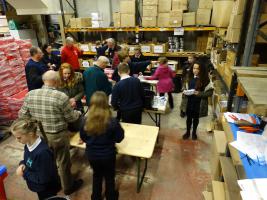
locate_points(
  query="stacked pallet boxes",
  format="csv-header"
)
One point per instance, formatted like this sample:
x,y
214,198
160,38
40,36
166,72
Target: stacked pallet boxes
x,y
127,10
176,14
81,22
204,12
164,13
221,13
150,13
235,24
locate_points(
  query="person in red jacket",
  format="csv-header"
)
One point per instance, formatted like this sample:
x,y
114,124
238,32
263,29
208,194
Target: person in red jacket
x,y
70,54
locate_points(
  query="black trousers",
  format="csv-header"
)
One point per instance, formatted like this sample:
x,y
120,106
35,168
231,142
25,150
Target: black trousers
x,y
170,99
192,112
104,169
46,194
133,116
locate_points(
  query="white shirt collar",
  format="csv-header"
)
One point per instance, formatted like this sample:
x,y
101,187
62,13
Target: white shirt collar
x,y
124,77
195,76
35,144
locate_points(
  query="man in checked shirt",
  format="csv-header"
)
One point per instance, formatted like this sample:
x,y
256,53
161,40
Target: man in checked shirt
x,y
51,107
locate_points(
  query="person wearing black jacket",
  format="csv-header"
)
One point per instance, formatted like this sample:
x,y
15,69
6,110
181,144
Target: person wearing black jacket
x,y
112,48
138,56
100,139
34,69
38,166
51,60
128,96
135,67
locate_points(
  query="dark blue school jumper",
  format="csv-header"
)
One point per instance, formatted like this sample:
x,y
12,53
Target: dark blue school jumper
x,y
41,171
101,153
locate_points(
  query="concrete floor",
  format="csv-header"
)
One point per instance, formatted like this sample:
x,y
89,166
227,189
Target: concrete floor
x,y
178,170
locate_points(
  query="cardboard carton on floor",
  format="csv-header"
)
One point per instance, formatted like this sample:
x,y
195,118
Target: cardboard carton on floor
x,y
189,19
82,22
236,21
127,20
165,6
163,19
179,4
149,21
150,2
127,6
150,11
203,16
117,19
205,4
221,13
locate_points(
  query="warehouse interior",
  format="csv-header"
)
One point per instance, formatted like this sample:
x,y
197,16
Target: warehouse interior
x,y
157,158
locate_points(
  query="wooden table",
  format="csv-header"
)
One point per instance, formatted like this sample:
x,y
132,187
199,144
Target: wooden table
x,y
139,141
251,73
255,89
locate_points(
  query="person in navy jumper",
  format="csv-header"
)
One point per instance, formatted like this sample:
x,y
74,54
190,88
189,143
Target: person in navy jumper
x,y
34,69
100,139
128,96
38,166
198,80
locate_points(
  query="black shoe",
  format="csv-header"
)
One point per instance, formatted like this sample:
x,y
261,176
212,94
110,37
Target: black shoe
x,y
182,114
186,135
76,186
194,136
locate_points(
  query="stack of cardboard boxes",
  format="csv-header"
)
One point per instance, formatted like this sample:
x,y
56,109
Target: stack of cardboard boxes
x,y
176,14
150,13
204,12
127,11
235,24
81,22
221,13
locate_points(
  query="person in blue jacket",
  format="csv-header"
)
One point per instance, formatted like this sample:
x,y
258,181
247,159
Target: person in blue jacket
x,y
34,69
100,139
38,166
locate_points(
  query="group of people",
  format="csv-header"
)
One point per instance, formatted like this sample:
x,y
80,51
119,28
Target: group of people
x,y
54,102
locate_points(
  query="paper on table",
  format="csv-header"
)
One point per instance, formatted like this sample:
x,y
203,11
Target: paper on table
x,y
253,188
246,117
253,145
189,92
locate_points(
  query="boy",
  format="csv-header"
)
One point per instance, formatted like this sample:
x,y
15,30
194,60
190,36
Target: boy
x,y
128,96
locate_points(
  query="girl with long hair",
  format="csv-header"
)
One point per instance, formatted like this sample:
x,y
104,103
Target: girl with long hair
x,y
100,133
71,83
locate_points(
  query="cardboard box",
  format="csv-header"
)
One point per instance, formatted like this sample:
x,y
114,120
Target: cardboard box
x,y
160,48
205,4
3,21
218,189
203,16
165,6
127,6
164,20
117,19
127,20
150,2
149,21
233,35
150,11
179,4
221,13
146,48
176,18
236,21
83,22
73,23
189,19
239,7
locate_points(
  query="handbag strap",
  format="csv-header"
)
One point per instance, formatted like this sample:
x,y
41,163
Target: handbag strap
x,y
42,131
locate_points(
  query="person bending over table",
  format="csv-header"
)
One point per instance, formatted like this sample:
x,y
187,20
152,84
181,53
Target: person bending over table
x,y
38,166
71,83
128,96
135,67
100,139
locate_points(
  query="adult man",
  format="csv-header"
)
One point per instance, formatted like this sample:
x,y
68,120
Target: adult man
x,y
51,107
95,79
70,54
34,69
128,96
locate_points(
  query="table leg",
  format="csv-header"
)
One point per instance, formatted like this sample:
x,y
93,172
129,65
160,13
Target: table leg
x,y
140,178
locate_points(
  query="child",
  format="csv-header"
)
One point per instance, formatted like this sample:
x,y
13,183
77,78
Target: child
x,y
198,80
128,96
100,139
186,68
38,167
165,75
